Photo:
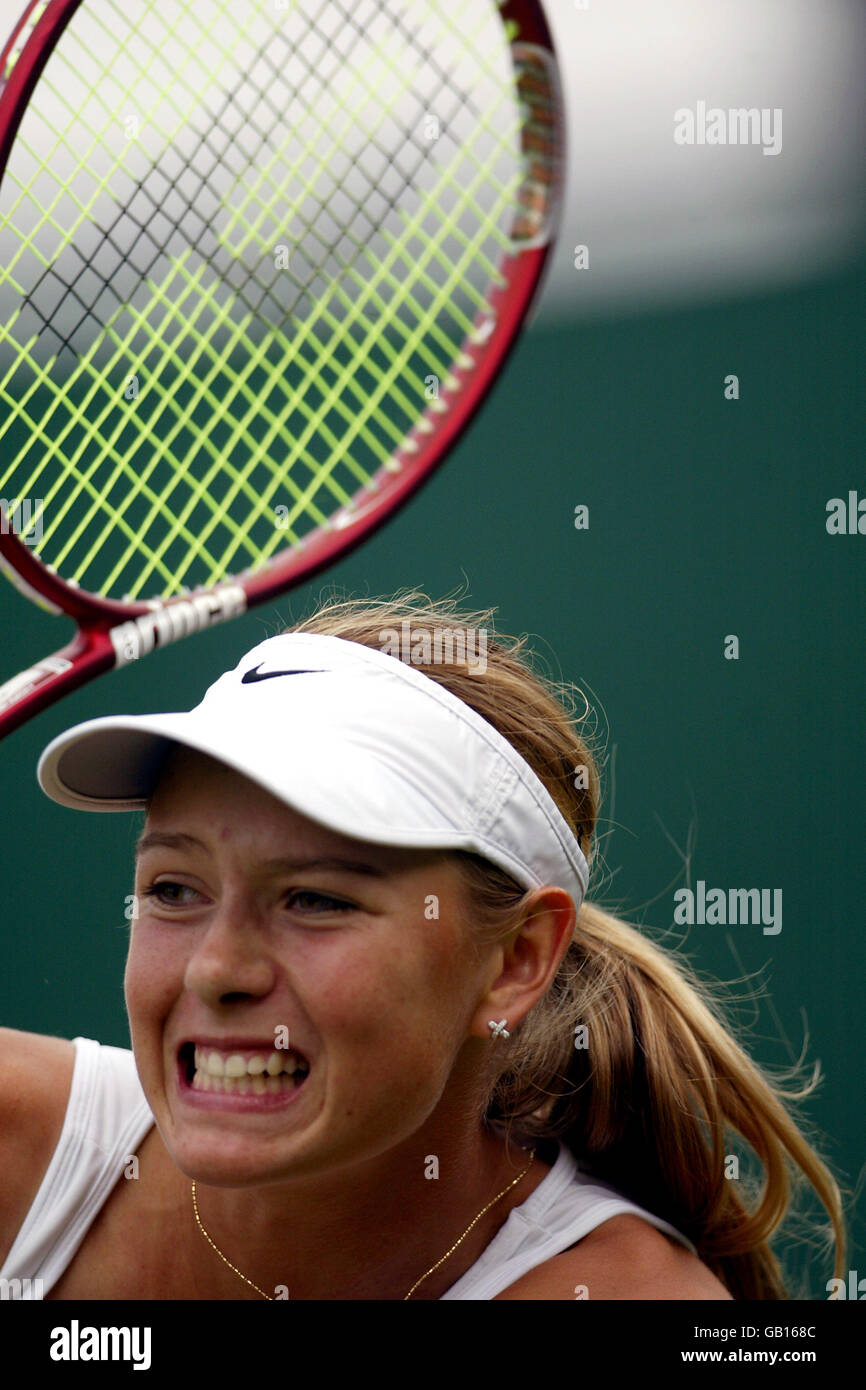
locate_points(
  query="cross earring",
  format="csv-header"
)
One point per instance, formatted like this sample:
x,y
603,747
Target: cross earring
x,y
498,1030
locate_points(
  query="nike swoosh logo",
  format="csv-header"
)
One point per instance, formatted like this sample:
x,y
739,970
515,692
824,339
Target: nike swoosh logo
x,y
253,675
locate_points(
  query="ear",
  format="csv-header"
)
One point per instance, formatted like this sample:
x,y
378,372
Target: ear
x,y
524,965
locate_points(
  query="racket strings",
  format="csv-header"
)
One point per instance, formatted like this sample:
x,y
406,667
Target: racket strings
x,y
298,405
141,228
275,535
389,201
124,214
407,176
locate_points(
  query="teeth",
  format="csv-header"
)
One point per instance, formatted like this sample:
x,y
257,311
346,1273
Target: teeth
x,y
215,1064
235,1066
261,1074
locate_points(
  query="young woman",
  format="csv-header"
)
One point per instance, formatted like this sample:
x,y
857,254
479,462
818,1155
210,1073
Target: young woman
x,y
381,1046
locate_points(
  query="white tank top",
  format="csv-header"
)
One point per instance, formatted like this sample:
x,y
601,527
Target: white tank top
x,y
107,1117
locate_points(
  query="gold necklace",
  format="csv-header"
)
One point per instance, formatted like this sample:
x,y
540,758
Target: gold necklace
x,y
457,1242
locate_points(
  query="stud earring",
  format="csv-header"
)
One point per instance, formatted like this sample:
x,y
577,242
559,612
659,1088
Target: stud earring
x,y
498,1030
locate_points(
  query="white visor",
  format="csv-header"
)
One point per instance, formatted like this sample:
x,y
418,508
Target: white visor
x,y
350,737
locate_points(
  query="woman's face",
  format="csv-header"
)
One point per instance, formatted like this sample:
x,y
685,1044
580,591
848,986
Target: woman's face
x,y
240,940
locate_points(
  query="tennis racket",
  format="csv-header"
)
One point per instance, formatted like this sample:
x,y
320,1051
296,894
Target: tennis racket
x,y
260,262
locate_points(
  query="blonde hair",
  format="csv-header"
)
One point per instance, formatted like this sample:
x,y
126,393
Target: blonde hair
x,y
654,1104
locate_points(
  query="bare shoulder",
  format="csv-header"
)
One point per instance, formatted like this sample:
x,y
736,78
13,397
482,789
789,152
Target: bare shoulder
x,y
35,1079
623,1258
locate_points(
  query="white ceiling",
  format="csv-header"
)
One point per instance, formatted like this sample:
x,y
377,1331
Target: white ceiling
x,y
668,223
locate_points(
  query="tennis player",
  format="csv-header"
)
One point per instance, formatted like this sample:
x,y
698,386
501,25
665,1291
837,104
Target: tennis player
x,y
382,1047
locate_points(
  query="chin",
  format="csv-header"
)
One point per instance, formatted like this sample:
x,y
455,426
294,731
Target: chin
x,y
232,1161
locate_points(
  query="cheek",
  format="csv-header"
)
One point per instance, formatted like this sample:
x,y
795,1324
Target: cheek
x,y
404,1005
153,976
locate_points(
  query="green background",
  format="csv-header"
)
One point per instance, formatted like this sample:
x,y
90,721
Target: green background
x,y
707,517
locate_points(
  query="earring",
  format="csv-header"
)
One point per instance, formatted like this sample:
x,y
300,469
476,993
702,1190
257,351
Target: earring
x,y
498,1030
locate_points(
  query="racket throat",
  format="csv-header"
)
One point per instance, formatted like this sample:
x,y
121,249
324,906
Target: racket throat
x,y
171,621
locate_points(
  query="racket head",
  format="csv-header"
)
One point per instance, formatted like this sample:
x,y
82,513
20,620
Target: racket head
x,y
31,65
331,389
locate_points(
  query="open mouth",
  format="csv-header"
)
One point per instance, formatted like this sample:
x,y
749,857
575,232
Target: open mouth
x,y
243,1071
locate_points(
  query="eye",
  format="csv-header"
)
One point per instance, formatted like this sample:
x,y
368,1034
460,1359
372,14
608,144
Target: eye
x,y
169,893
330,904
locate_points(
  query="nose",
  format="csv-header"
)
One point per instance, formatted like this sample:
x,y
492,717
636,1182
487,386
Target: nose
x,y
231,959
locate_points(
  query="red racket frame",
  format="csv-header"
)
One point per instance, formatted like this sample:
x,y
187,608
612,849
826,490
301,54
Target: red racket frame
x,y
92,650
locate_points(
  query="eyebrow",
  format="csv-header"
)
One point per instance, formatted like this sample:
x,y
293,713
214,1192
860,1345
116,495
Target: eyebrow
x,y
164,839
